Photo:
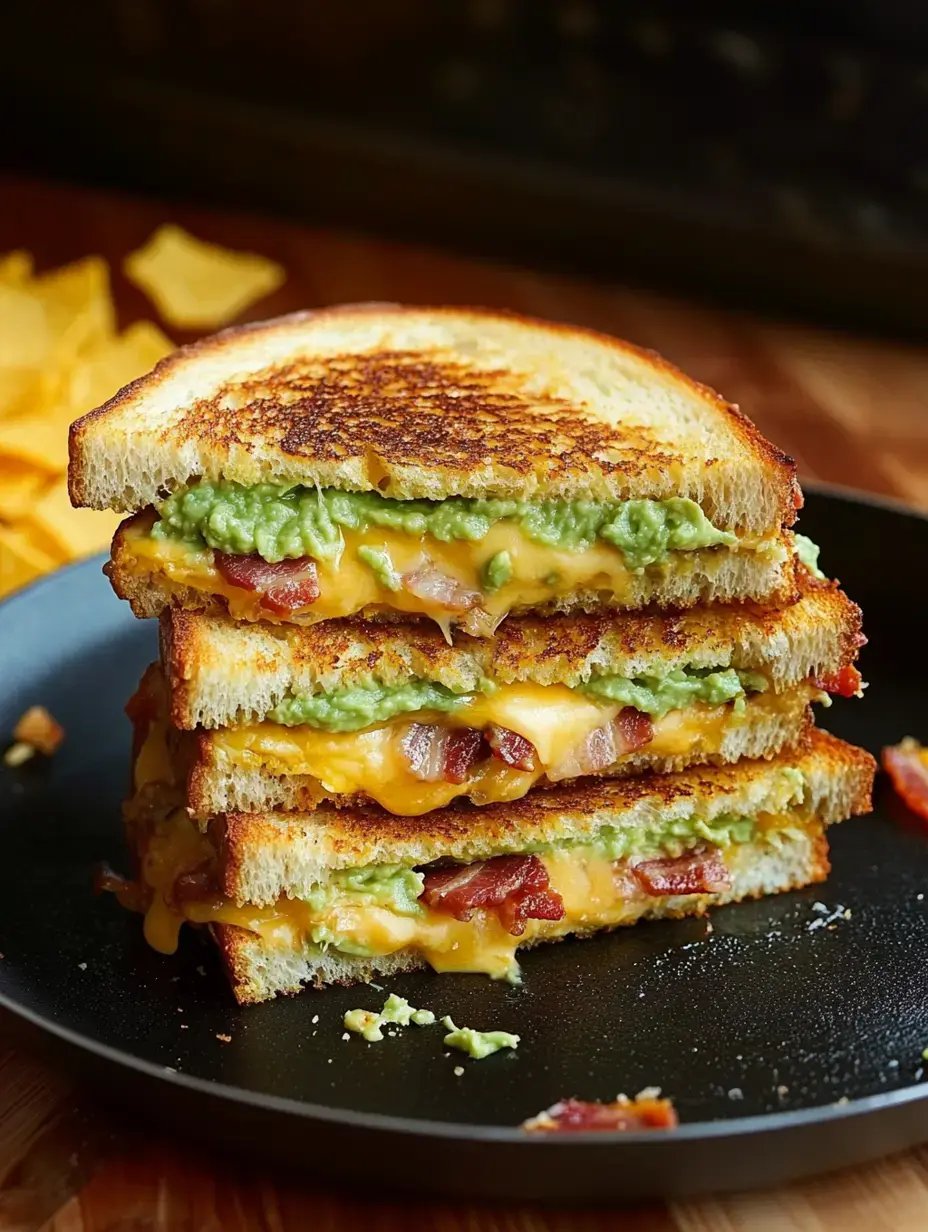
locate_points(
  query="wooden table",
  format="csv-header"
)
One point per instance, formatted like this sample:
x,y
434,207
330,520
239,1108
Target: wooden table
x,y
853,411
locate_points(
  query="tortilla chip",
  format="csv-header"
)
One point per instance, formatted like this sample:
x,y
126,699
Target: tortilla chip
x,y
26,337
196,285
69,532
21,559
38,438
16,267
109,367
78,306
20,485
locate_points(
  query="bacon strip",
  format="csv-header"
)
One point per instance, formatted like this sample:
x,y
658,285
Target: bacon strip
x,y
624,1115
435,753
511,748
629,730
131,894
906,767
444,591
285,587
698,872
845,683
516,887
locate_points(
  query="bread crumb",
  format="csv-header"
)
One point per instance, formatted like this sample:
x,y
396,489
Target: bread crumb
x,y
82,966
345,1036
35,732
315,1018
183,1026
226,1039
736,1093
201,971
18,754
458,1071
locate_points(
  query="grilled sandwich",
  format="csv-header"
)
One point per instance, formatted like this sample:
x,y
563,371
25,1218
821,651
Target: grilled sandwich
x,y
352,894
260,717
450,463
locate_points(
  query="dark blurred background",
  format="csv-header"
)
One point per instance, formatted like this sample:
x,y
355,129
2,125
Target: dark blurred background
x,y
771,155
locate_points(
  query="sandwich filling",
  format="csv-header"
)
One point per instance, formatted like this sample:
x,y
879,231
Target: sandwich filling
x,y
304,554
416,746
463,915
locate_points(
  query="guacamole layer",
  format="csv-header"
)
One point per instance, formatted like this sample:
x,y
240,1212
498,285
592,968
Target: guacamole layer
x,y
359,706
279,523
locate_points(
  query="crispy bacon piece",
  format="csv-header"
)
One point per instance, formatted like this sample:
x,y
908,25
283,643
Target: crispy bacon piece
x,y
631,729
285,587
131,894
444,591
623,1116
906,766
511,748
846,682
698,872
516,887
479,623
436,753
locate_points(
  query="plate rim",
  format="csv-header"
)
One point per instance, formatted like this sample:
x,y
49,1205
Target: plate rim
x,y
377,1122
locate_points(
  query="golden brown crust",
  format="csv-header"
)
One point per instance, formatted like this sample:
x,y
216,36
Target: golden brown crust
x,y
389,410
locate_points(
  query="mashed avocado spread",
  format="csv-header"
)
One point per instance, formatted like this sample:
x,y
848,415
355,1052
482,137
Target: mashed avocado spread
x,y
807,551
281,522
358,706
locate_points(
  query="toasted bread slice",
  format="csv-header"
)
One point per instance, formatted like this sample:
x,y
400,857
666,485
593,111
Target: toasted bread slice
x,y
259,971
265,856
220,673
430,402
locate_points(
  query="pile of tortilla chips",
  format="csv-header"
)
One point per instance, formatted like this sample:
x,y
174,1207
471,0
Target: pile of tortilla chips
x,y
61,356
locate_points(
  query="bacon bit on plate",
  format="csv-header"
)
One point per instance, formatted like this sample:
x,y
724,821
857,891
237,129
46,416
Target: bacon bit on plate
x,y
285,587
36,732
602,748
511,748
130,894
906,764
447,592
625,1115
194,886
847,682
699,872
436,753
516,887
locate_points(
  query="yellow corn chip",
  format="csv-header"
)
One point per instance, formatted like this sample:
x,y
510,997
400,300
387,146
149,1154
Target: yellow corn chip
x,y
17,387
19,486
16,267
78,306
21,559
39,437
107,368
70,532
26,337
196,285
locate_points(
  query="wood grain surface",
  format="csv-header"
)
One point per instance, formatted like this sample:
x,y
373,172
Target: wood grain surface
x,y
853,411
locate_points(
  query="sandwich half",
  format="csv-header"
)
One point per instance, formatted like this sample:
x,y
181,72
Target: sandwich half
x,y
452,463
348,895
260,717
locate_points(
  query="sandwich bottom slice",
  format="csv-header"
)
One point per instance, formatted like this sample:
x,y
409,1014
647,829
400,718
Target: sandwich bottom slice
x,y
348,895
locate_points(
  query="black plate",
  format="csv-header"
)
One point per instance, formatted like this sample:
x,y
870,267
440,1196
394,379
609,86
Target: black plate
x,y
761,1031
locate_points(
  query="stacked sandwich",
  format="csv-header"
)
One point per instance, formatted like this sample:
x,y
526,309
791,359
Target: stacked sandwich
x,y
476,632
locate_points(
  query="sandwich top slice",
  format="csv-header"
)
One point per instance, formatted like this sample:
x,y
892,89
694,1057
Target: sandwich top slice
x,y
284,717
453,463
344,895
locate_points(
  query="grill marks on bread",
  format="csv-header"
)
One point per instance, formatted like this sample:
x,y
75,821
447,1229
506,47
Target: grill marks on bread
x,y
411,408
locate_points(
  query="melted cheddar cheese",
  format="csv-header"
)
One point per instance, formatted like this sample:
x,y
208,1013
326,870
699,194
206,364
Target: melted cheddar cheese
x,y
554,718
540,574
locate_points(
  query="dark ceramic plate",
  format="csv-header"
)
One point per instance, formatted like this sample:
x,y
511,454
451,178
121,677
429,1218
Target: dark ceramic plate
x,y
788,1046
